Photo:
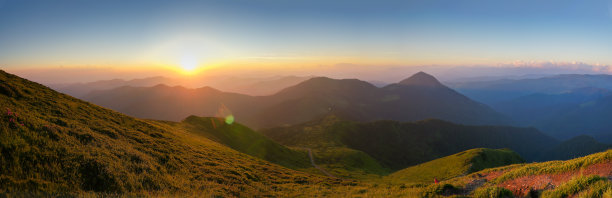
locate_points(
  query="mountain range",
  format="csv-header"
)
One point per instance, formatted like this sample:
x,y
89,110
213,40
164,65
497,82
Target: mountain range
x,y
418,97
249,86
495,91
563,106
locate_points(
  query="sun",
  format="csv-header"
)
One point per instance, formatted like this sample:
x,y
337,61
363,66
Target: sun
x,y
189,64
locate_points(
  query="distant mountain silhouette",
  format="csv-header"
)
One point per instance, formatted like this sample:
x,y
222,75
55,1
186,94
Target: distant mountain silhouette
x,y
249,86
563,106
535,108
575,147
591,118
419,97
167,103
82,89
495,91
421,79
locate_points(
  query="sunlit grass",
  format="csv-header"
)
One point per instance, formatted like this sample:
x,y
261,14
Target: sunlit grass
x,y
554,167
456,165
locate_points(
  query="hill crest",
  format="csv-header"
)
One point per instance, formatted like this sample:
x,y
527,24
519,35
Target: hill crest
x,y
421,79
455,165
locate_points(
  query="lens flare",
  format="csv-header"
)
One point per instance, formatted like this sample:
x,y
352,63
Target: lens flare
x,y
224,114
229,119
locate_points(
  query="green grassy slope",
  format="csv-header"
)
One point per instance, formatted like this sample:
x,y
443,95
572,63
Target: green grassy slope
x,y
245,140
51,142
329,150
456,165
583,186
396,145
555,167
587,176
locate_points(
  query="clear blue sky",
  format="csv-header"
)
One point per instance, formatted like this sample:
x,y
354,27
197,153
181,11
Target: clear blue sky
x,y
126,33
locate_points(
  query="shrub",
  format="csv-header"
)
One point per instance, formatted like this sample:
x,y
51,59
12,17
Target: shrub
x,y
439,189
598,190
577,185
492,192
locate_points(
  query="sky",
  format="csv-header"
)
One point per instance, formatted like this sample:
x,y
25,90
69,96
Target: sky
x,y
196,36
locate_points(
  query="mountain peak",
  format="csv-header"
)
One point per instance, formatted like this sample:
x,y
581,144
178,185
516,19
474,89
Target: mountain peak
x,y
421,79
325,83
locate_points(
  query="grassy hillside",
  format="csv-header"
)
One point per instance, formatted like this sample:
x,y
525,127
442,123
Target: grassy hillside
x,y
396,145
245,140
587,176
456,165
50,142
328,148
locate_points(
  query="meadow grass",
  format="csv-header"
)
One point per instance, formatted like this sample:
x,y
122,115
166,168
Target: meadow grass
x,y
456,165
553,167
592,186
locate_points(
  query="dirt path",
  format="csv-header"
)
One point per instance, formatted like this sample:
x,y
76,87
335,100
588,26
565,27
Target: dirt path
x,y
477,180
317,166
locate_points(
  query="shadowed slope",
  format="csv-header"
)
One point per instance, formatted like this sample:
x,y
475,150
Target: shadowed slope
x,y
575,147
397,145
245,140
329,151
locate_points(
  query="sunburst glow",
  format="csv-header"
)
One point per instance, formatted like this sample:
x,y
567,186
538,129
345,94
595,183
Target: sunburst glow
x,y
189,64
